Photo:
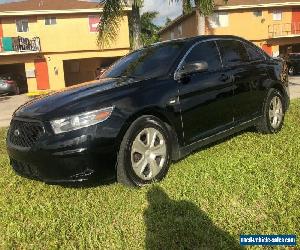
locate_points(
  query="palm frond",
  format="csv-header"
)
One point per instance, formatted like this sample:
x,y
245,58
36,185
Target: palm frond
x,y
108,28
206,7
186,6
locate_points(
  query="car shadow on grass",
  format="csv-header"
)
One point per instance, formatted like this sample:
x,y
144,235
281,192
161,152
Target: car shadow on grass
x,y
174,224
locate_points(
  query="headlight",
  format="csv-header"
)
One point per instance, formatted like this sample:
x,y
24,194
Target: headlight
x,y
81,120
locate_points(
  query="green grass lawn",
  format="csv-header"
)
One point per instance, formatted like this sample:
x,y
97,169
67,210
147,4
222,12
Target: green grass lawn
x,y
249,184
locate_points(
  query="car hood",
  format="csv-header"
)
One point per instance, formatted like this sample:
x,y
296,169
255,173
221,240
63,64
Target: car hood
x,y
71,100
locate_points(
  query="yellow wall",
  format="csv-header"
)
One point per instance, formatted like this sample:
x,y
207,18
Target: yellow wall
x,y
71,33
69,39
243,23
56,68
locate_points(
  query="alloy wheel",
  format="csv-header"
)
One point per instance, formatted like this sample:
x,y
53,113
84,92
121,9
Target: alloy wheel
x,y
276,112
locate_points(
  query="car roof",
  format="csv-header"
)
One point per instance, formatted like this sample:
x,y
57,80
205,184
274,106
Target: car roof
x,y
202,38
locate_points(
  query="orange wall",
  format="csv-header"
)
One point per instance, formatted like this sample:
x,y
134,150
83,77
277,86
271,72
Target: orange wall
x,y
71,33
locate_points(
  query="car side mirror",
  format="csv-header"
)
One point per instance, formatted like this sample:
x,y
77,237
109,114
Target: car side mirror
x,y
191,68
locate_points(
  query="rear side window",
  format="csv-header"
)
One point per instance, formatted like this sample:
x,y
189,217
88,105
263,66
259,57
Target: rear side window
x,y
254,54
232,52
208,52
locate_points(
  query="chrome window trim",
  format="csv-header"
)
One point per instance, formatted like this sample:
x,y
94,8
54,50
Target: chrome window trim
x,y
221,59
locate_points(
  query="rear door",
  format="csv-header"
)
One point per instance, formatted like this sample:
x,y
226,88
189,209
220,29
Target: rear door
x,y
248,76
205,97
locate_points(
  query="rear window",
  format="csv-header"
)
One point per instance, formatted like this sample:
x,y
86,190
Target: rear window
x,y
254,54
5,77
233,52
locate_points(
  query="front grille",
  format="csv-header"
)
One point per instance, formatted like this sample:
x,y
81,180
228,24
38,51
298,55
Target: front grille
x,y
24,133
24,169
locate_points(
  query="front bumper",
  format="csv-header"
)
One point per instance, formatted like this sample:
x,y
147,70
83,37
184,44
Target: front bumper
x,y
76,156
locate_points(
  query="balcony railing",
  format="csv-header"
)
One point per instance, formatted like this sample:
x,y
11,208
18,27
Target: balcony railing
x,y
284,30
19,44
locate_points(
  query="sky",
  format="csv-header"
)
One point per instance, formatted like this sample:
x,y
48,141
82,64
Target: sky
x,y
165,9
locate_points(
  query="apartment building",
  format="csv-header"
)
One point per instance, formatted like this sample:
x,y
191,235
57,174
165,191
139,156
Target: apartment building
x,y
273,25
53,43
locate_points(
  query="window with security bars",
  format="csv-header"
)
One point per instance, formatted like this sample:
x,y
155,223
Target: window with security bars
x,y
22,25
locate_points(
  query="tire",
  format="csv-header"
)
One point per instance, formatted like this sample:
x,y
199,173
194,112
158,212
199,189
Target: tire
x,y
267,124
138,162
292,71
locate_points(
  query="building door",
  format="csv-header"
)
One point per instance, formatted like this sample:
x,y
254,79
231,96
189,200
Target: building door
x,y
296,21
41,72
1,30
268,49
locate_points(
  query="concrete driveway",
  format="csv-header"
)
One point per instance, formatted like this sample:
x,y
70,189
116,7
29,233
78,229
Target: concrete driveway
x,y
8,104
295,87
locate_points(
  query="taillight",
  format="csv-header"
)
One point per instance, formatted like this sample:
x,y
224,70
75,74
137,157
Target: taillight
x,y
9,82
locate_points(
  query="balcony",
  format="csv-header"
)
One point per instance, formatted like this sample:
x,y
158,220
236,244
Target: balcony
x,y
284,30
19,45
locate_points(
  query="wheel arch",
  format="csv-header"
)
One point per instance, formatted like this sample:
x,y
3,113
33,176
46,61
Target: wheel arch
x,y
282,90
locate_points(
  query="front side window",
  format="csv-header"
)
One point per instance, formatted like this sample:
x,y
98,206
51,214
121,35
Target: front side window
x,y
277,15
149,62
232,52
22,25
208,52
50,20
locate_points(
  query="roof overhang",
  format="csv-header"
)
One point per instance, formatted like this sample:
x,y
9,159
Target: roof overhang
x,y
52,12
285,36
254,6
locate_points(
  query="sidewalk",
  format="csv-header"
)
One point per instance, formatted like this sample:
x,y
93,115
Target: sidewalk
x,y
8,104
295,87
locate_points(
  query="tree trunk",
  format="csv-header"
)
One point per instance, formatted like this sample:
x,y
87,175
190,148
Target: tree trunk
x,y
201,23
136,27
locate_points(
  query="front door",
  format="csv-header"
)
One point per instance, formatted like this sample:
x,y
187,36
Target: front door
x,y
41,73
205,97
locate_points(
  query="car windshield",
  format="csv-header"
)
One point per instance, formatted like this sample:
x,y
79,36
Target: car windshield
x,y
153,61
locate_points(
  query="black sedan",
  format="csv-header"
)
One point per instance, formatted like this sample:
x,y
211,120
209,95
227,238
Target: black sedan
x,y
293,62
154,106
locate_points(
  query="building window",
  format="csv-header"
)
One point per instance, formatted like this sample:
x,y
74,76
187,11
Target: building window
x,y
219,19
22,25
257,13
172,35
93,23
50,20
180,30
277,15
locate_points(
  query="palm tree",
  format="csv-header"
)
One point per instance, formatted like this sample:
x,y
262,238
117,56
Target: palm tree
x,y
114,9
149,31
